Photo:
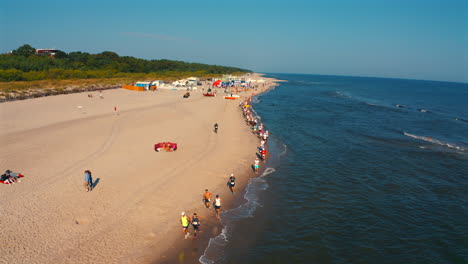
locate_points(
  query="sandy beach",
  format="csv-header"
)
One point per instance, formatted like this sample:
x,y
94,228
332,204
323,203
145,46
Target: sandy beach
x,y
132,215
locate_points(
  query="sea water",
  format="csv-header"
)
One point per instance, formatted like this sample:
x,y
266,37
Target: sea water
x,y
362,170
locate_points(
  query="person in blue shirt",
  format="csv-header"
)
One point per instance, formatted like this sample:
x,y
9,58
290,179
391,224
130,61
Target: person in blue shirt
x,y
88,181
231,183
195,224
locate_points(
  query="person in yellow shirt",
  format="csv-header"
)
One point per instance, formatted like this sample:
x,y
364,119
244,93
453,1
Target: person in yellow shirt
x,y
185,221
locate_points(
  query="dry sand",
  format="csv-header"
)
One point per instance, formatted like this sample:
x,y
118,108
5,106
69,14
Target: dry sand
x,y
49,217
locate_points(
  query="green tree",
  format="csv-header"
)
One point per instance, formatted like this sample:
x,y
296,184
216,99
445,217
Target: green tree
x,y
26,50
60,55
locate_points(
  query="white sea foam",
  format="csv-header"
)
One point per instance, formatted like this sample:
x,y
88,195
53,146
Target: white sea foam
x,y
285,150
435,141
255,100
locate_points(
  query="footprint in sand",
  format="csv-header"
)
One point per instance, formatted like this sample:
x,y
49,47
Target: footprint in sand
x,y
81,221
151,236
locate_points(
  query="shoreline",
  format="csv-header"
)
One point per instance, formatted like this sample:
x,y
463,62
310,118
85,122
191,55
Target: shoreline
x,y
190,250
140,193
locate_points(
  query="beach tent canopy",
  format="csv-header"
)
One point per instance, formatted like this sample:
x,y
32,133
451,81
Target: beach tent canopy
x,y
217,83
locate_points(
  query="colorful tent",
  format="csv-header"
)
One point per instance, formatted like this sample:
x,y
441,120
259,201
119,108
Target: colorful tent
x,y
217,83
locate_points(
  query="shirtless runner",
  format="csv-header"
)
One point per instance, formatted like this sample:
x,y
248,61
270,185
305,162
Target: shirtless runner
x,y
207,198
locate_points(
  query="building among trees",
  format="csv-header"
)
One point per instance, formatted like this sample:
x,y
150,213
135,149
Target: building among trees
x,y
46,52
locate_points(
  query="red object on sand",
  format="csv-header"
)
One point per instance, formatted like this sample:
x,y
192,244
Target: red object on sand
x,y
217,83
19,176
172,146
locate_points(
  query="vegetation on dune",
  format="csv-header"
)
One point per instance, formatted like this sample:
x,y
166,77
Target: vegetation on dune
x,y
22,70
23,65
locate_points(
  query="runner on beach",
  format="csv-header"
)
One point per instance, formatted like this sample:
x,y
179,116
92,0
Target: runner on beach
x,y
256,165
207,198
217,205
185,221
195,224
264,153
88,180
231,183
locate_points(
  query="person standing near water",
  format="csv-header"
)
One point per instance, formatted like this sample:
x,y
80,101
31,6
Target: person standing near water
x,y
185,221
88,180
217,205
256,165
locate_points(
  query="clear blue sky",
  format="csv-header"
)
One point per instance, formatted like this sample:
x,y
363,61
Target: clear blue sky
x,y
417,39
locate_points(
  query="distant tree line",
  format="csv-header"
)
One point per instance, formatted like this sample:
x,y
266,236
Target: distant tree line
x,y
23,65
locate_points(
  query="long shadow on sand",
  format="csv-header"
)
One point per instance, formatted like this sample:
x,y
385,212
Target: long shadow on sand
x,y
95,183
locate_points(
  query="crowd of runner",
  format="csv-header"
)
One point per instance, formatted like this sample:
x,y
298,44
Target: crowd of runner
x,y
257,128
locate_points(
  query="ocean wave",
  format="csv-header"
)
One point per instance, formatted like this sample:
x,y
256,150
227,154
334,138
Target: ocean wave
x,y
267,172
377,103
435,141
213,252
285,150
341,94
255,100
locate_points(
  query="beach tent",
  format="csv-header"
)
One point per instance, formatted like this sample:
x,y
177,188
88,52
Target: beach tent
x,y
217,83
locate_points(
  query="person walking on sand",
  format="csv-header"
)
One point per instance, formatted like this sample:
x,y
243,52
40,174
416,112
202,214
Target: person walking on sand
x,y
195,224
217,205
231,183
207,198
88,180
216,127
185,221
